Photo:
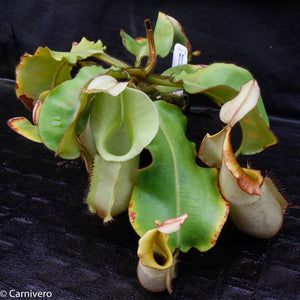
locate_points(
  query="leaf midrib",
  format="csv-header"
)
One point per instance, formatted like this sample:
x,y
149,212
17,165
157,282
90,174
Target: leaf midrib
x,y
176,175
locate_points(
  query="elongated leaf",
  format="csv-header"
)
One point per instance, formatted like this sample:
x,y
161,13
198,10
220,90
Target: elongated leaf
x,y
46,69
123,125
174,185
60,113
222,82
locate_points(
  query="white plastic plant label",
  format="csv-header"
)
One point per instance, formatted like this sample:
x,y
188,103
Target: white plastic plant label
x,y
180,57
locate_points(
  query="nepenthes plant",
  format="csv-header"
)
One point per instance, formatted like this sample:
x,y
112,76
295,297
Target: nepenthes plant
x,y
86,103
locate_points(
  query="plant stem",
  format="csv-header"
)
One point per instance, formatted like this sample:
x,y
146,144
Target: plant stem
x,y
151,63
140,73
162,80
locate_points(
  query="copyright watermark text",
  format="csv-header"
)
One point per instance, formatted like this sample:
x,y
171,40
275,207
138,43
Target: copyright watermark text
x,y
25,294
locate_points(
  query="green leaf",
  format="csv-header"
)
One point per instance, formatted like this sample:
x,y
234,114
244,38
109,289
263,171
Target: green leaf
x,y
61,110
82,50
174,185
123,125
25,128
256,134
46,69
222,82
179,35
167,33
139,48
37,73
163,35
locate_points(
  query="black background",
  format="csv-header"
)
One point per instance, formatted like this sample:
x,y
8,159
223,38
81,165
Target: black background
x,y
49,242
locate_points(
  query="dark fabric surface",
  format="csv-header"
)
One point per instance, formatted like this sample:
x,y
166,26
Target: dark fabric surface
x,y
49,241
